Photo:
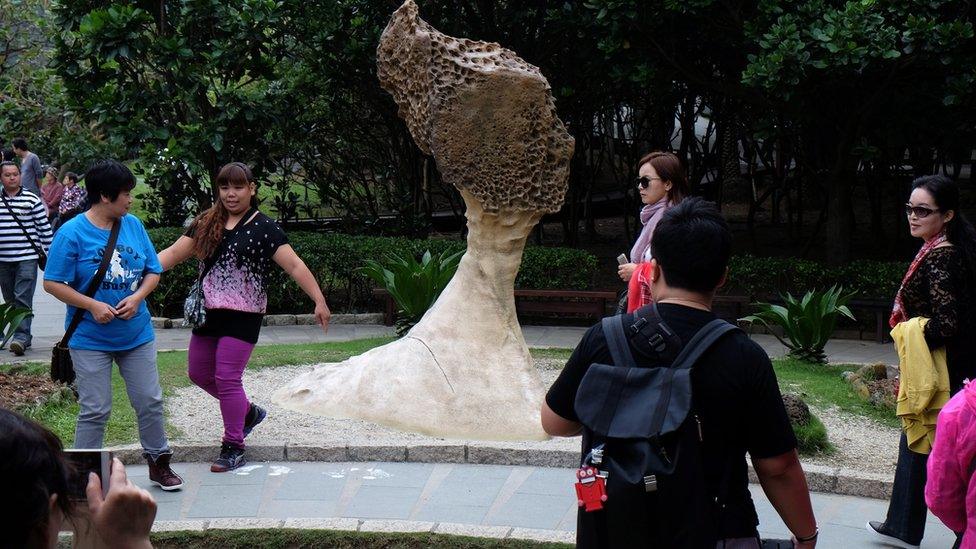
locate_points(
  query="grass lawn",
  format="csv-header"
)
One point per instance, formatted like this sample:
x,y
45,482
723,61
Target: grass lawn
x,y
334,539
818,384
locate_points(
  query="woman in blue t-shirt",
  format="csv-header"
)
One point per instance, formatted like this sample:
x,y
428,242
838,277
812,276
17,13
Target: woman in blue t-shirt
x,y
116,326
237,247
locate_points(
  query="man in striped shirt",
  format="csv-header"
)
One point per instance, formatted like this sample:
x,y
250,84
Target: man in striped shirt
x,y
19,251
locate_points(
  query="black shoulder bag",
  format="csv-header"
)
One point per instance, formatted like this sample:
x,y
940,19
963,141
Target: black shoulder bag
x,y
62,369
41,256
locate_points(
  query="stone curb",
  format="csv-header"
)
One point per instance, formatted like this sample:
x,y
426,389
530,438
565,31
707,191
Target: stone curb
x,y
161,323
826,480
368,525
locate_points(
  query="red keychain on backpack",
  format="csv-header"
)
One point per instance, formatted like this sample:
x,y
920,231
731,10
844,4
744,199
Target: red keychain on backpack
x,y
591,489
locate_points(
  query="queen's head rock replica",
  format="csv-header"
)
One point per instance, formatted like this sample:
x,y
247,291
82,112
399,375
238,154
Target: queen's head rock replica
x,y
488,119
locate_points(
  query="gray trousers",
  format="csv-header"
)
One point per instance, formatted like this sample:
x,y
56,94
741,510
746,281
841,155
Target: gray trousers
x,y
94,380
17,282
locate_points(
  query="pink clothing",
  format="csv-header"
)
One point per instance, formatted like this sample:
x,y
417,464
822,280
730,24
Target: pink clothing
x,y
51,193
950,491
650,214
217,365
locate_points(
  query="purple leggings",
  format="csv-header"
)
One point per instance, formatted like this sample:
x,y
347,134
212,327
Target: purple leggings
x,y
216,366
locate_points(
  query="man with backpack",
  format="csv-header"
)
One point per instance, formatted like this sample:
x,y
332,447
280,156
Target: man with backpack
x,y
669,400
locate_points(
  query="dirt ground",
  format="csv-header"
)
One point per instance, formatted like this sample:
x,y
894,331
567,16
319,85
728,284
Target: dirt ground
x,y
18,390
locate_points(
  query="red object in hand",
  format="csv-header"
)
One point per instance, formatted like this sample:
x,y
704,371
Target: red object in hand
x,y
591,490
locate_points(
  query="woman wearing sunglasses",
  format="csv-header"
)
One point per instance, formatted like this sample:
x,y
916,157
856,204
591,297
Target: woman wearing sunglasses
x,y
940,285
662,183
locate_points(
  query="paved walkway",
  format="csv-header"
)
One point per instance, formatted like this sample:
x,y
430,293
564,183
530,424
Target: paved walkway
x,y
485,500
49,313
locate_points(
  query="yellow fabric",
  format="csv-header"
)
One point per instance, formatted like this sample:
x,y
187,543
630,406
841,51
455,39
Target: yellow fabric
x,y
924,387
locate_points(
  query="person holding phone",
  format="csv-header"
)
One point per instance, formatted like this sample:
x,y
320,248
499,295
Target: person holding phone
x,y
661,183
37,499
236,246
115,325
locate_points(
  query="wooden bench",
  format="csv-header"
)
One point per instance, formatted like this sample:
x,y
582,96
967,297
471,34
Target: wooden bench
x,y
881,309
589,304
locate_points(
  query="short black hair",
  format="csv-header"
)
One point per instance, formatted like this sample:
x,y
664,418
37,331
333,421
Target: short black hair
x,y
108,178
6,163
20,143
692,243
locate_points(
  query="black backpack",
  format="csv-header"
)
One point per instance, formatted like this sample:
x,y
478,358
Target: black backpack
x,y
641,431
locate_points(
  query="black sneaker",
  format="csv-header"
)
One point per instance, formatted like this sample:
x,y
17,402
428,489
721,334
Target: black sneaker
x,y
882,534
255,415
231,457
17,348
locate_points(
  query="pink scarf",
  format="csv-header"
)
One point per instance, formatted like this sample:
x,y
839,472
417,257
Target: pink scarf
x,y
898,311
650,214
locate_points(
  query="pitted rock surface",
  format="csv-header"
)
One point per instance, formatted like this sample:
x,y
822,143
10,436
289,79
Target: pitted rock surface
x,y
486,116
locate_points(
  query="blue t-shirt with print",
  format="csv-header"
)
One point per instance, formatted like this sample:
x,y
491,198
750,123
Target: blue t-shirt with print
x,y
74,258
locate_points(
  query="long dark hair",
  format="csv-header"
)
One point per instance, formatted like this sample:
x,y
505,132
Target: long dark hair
x,y
959,231
32,469
209,228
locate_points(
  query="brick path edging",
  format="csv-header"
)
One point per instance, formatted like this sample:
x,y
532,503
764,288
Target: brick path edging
x,y
820,479
161,323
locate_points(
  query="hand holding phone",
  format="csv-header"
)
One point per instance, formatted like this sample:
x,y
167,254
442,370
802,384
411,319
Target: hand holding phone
x,y
84,462
622,259
124,515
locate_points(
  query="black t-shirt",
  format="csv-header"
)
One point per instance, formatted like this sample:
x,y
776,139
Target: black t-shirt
x,y
735,395
235,288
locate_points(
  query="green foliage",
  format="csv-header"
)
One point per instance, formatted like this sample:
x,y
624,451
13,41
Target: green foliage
x,y
811,437
414,285
336,260
808,322
766,277
10,317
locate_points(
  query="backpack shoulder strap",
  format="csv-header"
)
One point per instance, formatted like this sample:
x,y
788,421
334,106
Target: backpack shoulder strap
x,y
613,330
701,342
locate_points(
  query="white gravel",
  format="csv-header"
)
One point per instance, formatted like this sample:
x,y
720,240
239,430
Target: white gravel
x,y
862,444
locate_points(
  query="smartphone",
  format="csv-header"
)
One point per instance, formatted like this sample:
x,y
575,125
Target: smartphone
x,y
622,258
83,462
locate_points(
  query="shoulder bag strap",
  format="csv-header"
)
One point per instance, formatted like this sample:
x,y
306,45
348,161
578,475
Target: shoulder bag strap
x,y
113,237
613,329
6,202
701,342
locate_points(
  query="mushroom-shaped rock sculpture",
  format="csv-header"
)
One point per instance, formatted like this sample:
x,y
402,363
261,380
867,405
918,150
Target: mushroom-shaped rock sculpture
x,y
489,120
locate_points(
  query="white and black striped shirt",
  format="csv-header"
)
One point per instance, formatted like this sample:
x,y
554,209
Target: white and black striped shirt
x,y
32,214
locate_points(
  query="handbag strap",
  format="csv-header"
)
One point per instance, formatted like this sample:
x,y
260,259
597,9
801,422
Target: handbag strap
x,y
113,237
37,249
212,260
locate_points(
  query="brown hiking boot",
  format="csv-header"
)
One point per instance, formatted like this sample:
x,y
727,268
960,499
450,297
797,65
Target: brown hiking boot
x,y
161,475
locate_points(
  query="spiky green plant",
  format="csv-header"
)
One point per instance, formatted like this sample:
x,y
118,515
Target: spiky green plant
x,y
10,318
807,323
414,285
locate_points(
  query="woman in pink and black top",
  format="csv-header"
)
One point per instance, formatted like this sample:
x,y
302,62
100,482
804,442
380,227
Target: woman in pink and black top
x,y
236,245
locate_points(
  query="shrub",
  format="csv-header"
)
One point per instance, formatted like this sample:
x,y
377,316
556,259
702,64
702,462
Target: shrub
x,y
415,285
807,323
811,437
336,259
762,278
10,318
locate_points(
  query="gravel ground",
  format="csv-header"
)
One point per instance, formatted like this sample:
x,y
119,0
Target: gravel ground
x,y
862,445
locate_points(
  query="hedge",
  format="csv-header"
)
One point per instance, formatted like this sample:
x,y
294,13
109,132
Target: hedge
x,y
766,277
335,260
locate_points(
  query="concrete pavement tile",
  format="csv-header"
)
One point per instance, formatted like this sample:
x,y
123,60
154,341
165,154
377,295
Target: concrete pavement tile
x,y
310,485
168,510
243,524
179,525
461,514
226,501
252,473
384,502
285,509
411,475
531,511
532,534
461,489
345,524
395,526
470,530
550,482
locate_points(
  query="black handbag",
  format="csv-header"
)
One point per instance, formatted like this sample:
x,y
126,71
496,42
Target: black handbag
x,y
62,369
41,256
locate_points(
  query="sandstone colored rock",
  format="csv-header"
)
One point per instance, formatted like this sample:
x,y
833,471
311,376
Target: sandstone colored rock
x,y
489,120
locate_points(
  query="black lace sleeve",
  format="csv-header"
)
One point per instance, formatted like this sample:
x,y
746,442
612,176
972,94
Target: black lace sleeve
x,y
944,270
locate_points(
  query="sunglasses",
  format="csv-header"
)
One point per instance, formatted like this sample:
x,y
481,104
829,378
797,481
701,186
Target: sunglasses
x,y
645,182
920,212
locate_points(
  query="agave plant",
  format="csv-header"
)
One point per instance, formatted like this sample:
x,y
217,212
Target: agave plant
x,y
10,318
415,286
806,323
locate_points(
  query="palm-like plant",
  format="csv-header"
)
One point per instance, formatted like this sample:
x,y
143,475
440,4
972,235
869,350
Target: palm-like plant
x,y
807,323
10,317
415,286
